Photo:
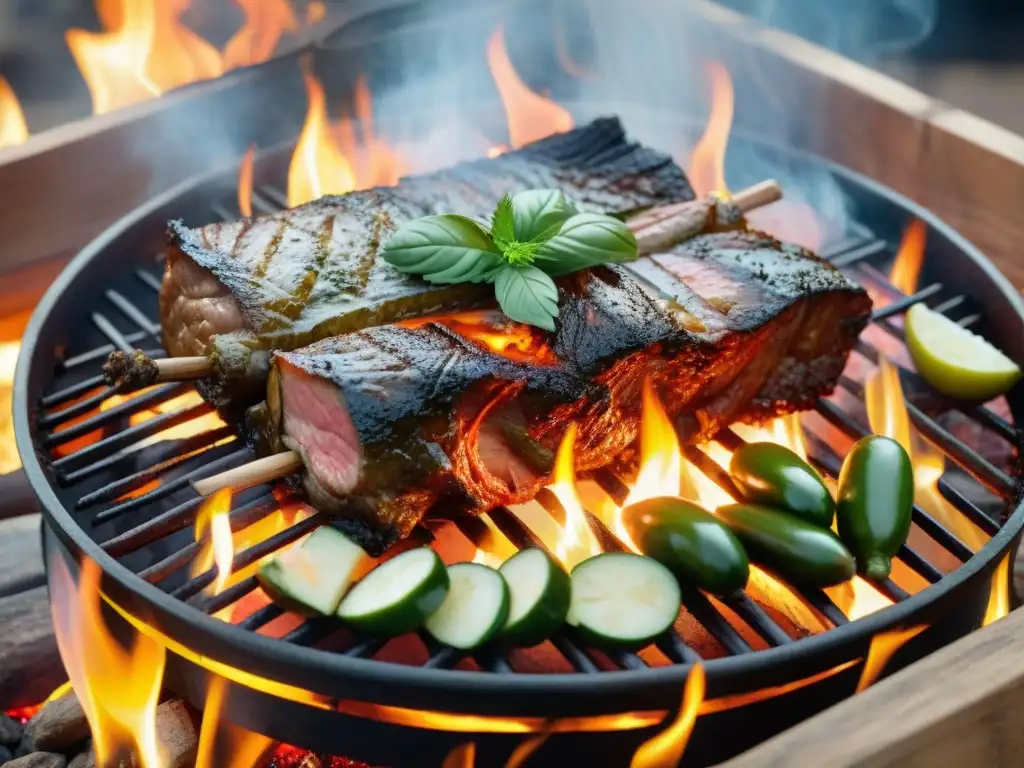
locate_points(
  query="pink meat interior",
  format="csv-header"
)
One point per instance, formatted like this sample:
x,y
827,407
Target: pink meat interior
x,y
317,422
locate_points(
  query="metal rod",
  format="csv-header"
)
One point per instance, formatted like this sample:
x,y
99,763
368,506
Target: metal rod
x,y
133,313
108,329
755,617
144,402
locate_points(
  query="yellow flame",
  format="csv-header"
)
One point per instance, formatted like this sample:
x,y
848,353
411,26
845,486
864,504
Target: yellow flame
x,y
222,744
883,647
118,688
707,166
144,51
462,756
907,267
318,167
495,547
857,598
999,597
13,129
661,460
245,181
577,541
666,748
213,531
529,116
887,414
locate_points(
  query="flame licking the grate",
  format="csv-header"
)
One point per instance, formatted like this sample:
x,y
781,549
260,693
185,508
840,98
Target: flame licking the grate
x,y
530,116
265,22
577,541
13,129
223,744
245,182
667,747
213,534
888,414
118,688
883,647
999,597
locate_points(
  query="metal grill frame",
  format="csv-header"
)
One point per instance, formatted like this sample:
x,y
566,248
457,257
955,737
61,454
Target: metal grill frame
x,y
496,690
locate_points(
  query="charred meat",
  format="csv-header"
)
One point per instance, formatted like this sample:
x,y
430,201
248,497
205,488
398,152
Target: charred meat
x,y
238,290
395,423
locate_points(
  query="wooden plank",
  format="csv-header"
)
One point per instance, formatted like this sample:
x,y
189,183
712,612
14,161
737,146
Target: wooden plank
x,y
957,707
967,170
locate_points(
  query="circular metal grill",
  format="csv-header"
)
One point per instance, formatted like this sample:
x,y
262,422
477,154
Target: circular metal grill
x,y
113,494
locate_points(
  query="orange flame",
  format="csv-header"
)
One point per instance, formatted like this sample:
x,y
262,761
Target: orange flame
x,y
13,129
495,548
213,532
144,51
999,598
707,166
462,756
375,163
316,12
577,541
667,747
222,744
118,688
265,22
318,166
245,182
529,115
883,647
907,267
887,414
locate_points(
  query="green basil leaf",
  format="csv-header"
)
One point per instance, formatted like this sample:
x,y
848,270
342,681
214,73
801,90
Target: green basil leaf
x,y
443,249
539,213
503,222
586,240
527,295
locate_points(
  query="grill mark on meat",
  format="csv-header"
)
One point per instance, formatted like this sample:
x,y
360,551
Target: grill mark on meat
x,y
270,251
594,165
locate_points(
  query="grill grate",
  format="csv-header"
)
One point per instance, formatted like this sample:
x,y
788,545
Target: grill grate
x,y
80,404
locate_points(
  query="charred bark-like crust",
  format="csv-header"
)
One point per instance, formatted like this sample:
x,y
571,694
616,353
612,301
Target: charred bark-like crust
x,y
131,371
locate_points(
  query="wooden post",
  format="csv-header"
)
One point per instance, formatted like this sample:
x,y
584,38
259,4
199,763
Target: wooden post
x,y
958,707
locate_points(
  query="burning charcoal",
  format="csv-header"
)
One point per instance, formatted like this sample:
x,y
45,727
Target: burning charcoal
x,y
177,734
38,760
10,732
59,725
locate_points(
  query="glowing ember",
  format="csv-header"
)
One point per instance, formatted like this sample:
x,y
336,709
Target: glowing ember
x,y
707,166
910,257
318,166
883,647
265,22
245,182
857,598
668,746
660,459
529,115
118,688
577,541
887,414
144,51
13,129
213,532
999,597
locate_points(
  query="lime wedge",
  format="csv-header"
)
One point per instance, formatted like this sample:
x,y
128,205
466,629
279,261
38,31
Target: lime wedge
x,y
955,361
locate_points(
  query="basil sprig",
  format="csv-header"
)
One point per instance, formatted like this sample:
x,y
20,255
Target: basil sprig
x,y
534,236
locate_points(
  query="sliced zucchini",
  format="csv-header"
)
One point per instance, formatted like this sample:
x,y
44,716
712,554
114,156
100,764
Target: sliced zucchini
x,y
474,610
312,576
622,600
539,588
397,596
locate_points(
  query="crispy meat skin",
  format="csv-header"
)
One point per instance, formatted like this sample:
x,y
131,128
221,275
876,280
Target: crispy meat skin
x,y
728,326
237,290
